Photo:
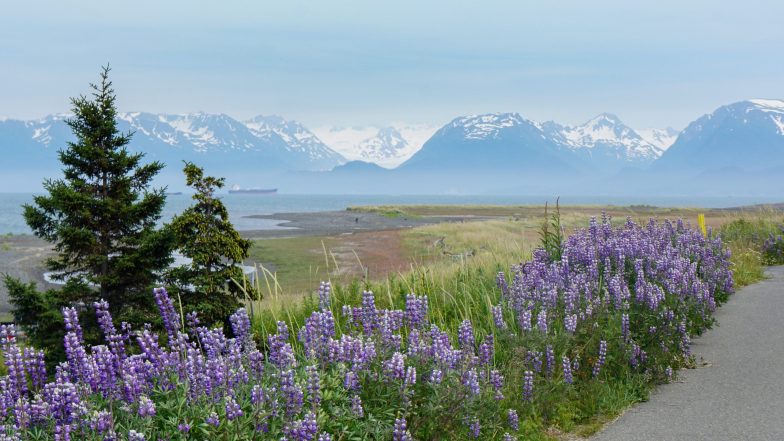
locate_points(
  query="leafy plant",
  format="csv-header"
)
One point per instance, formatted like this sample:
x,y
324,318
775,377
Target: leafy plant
x,y
551,233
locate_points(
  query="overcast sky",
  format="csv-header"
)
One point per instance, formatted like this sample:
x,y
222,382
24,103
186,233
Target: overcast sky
x,y
654,64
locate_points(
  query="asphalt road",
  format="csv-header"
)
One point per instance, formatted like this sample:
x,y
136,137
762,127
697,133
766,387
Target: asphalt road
x,y
738,394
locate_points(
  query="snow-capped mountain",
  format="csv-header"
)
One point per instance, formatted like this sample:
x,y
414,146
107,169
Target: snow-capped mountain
x,y
603,143
661,138
387,146
745,135
298,140
497,142
605,137
248,154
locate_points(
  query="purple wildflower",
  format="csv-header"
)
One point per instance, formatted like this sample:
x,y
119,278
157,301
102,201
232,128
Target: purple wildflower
x,y
513,420
528,386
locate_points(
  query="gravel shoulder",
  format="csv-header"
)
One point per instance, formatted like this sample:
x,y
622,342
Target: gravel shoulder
x,y
737,393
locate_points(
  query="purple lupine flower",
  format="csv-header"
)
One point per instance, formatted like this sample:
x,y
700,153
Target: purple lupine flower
x,y
525,320
625,326
325,437
513,420
257,395
368,314
136,436
171,320
324,294
101,422
570,323
292,393
184,427
356,406
508,437
497,380
400,432
233,409
314,386
15,362
116,340
528,386
71,318
410,379
394,368
416,310
471,381
475,427
567,370
465,336
240,326
500,280
498,317
541,321
600,360
549,360
486,351
351,381
534,360
146,407
213,419
668,373
436,376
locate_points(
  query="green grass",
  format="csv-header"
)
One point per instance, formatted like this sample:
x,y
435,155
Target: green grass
x,y
292,265
744,237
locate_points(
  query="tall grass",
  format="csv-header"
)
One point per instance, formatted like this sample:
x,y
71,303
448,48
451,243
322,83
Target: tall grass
x,y
745,238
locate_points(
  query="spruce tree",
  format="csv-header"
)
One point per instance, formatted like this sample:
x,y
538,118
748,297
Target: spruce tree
x,y
101,216
211,283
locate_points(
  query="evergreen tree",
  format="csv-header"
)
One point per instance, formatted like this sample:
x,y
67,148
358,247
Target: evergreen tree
x,y
212,282
101,217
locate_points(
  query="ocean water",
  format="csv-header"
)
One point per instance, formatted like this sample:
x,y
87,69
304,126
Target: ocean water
x,y
240,206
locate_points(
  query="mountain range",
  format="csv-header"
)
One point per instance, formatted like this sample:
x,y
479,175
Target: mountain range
x,y
497,152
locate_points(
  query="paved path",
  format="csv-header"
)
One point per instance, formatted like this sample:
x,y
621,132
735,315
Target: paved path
x,y
739,394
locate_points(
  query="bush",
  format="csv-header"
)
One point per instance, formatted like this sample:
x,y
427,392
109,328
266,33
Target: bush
x,y
773,248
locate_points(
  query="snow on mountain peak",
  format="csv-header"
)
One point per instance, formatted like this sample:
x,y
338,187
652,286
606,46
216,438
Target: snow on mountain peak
x,y
489,125
607,131
661,138
768,105
386,146
296,137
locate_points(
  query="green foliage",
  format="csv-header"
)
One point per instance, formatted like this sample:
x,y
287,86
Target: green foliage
x,y
746,239
551,233
101,219
39,311
212,282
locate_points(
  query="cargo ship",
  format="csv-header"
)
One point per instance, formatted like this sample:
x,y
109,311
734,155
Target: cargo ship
x,y
237,190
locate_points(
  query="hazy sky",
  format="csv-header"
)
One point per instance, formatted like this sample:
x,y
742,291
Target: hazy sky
x,y
653,63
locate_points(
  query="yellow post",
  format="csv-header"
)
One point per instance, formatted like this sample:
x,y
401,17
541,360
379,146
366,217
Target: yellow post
x,y
701,223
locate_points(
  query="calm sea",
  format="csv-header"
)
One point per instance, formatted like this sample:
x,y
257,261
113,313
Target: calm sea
x,y
241,206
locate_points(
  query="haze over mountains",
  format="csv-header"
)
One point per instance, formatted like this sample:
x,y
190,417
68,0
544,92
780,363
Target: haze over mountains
x,y
738,148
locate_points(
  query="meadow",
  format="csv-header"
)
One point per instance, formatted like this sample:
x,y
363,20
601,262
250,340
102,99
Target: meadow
x,y
486,336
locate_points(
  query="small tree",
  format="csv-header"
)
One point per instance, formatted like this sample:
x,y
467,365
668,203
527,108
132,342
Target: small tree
x,y
101,217
212,281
